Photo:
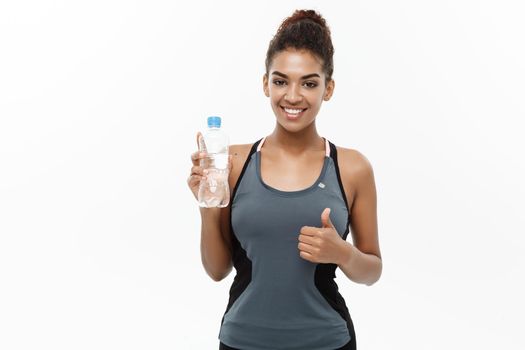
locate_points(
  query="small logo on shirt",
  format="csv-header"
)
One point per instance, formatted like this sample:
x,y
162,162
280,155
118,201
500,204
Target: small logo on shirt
x,y
321,185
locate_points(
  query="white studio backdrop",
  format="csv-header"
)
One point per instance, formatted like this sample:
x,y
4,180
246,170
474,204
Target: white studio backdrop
x,y
99,106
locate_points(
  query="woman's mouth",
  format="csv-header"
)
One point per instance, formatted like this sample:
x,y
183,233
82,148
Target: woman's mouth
x,y
293,113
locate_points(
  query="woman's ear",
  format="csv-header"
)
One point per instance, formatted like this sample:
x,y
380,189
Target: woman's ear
x,y
329,91
265,85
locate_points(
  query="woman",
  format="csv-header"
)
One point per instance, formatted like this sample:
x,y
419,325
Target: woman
x,y
294,197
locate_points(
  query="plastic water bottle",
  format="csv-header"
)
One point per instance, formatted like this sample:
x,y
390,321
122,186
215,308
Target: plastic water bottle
x,y
214,190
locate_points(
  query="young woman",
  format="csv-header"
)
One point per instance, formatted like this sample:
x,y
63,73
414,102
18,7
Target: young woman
x,y
295,196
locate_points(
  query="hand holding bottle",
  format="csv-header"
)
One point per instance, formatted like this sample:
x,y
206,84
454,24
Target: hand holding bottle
x,y
198,172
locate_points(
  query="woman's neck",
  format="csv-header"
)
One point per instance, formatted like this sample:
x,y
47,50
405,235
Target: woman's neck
x,y
295,143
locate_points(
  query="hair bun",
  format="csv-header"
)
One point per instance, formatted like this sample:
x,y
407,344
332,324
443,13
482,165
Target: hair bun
x,y
300,15
304,30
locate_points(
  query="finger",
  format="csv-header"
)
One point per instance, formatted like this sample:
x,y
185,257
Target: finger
x,y
325,218
306,248
307,239
306,256
309,231
198,170
230,163
199,135
196,156
194,180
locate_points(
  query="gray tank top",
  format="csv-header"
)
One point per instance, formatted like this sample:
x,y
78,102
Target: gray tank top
x,y
279,300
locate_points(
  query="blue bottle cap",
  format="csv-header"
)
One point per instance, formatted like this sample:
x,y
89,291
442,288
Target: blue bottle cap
x,y
214,122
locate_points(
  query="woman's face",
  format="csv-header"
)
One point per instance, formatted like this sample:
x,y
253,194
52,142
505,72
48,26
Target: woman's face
x,y
296,87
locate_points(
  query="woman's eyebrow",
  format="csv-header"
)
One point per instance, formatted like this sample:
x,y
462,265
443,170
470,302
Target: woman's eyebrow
x,y
313,75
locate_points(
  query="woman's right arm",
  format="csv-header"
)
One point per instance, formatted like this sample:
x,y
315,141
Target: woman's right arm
x,y
216,247
216,251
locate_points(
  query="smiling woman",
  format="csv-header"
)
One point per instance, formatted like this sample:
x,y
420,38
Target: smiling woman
x,y
292,205
302,45
295,96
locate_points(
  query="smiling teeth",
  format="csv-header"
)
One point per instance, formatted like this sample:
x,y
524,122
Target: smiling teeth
x,y
293,111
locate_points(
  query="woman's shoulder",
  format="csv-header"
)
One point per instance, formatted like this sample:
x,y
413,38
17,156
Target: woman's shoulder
x,y
352,155
239,153
353,164
355,170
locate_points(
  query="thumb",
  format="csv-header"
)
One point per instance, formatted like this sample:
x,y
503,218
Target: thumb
x,y
199,135
325,218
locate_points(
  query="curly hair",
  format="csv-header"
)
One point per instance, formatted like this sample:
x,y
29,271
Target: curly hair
x,y
304,30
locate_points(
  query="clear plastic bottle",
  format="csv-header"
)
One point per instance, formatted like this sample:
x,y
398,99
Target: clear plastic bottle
x,y
214,190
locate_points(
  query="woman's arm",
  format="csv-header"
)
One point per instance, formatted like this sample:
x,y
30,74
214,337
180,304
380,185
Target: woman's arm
x,y
215,249
361,267
361,262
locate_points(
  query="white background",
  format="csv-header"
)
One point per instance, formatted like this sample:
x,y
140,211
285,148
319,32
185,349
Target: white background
x,y
99,105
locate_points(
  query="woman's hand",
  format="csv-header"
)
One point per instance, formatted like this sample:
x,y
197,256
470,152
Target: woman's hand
x,y
322,244
198,174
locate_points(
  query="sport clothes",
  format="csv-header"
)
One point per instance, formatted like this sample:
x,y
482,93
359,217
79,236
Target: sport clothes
x,y
348,346
279,300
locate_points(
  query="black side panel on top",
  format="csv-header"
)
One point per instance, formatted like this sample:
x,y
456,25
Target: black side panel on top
x,y
333,155
242,264
324,281
325,273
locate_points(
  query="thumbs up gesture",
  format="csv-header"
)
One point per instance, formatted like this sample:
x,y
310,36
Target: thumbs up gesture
x,y
321,244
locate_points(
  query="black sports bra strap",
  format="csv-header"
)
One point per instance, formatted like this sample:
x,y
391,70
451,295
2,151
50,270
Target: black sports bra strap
x,y
246,162
333,155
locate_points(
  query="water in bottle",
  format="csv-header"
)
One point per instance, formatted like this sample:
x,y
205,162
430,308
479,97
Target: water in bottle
x,y
214,190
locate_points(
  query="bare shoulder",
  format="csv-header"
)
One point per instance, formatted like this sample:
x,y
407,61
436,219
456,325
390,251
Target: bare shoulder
x,y
353,162
356,171
240,150
239,153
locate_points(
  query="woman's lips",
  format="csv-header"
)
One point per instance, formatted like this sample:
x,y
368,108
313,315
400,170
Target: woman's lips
x,y
293,113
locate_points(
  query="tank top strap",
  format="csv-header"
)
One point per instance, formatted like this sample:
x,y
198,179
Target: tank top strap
x,y
326,142
333,155
327,147
260,144
253,149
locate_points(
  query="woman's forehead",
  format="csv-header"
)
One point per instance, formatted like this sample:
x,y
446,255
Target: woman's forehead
x,y
300,62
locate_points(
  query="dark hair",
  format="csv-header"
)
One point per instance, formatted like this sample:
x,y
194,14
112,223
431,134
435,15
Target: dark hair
x,y
304,30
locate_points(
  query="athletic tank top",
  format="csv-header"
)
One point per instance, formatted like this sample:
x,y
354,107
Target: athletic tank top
x,y
278,300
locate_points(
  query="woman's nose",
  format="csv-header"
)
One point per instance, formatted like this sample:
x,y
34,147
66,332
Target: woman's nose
x,y
293,95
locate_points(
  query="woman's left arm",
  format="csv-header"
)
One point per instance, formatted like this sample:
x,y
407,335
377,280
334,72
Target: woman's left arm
x,y
361,262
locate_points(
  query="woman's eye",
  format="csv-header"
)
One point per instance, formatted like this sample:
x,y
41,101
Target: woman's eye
x,y
279,82
310,84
